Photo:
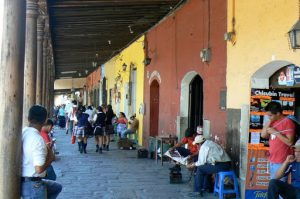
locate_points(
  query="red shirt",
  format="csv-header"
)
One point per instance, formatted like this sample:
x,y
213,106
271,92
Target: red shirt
x,y
46,137
122,120
278,149
189,140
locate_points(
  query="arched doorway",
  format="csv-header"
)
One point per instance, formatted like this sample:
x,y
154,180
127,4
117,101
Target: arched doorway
x,y
195,116
154,108
191,97
267,85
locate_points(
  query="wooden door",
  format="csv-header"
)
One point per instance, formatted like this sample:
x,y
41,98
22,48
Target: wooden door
x,y
154,108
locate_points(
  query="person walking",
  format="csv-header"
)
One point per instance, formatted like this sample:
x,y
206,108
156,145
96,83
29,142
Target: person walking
x,y
99,124
109,129
80,132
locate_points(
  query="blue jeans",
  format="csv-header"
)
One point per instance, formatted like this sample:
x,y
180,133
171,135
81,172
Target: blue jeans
x,y
126,132
50,173
33,190
53,188
43,189
278,188
203,174
273,169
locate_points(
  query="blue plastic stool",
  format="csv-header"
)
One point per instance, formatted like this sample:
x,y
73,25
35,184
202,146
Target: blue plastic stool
x,y
219,184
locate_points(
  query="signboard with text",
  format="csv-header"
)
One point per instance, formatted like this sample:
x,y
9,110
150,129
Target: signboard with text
x,y
258,176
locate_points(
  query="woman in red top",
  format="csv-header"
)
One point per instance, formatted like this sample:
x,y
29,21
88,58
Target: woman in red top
x,y
188,139
122,123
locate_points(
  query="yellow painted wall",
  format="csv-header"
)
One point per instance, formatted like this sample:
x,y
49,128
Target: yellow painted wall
x,y
261,28
113,68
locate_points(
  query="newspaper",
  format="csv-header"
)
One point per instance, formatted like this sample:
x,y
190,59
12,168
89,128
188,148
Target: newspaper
x,y
175,155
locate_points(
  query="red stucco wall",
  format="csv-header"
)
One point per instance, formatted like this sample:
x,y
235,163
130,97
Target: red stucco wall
x,y
93,79
174,46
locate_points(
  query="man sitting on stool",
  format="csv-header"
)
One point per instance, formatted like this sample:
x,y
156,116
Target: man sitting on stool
x,y
290,165
134,125
211,159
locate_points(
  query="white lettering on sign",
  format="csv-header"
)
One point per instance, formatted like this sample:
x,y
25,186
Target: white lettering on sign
x,y
262,166
260,194
265,184
263,178
269,93
262,160
261,171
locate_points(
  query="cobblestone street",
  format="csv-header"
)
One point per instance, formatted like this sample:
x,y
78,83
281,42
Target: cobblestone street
x,y
115,174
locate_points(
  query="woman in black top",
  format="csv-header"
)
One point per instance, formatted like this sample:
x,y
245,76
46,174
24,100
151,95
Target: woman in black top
x,y
109,129
99,124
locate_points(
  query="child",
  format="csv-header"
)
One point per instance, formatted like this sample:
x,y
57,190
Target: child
x,y
46,129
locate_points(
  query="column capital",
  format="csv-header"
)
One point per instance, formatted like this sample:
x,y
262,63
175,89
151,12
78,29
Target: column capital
x,y
43,7
31,8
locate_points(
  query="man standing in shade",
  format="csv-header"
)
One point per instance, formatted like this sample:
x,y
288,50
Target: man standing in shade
x,y
280,131
36,158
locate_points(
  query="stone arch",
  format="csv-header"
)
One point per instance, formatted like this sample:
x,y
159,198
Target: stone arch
x,y
260,79
182,123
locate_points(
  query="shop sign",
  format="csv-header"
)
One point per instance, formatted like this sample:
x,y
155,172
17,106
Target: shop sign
x,y
286,76
256,194
297,74
258,175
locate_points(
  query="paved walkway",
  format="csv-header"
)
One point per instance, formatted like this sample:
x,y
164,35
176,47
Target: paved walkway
x,y
115,174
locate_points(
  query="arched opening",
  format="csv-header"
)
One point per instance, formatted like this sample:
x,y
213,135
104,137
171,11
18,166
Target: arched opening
x,y
154,108
276,81
191,102
195,103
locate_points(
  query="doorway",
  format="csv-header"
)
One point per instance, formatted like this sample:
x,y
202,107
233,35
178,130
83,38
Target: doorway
x,y
154,108
195,116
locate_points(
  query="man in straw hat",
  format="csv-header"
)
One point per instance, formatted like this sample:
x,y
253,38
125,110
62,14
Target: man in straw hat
x,y
211,159
290,166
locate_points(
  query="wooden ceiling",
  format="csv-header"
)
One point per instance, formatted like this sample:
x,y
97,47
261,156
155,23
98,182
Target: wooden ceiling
x,y
87,31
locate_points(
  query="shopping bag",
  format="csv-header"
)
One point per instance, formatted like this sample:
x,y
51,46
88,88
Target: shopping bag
x,y
73,139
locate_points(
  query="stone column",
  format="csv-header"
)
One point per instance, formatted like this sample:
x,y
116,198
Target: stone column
x,y
39,74
45,47
12,36
30,58
47,82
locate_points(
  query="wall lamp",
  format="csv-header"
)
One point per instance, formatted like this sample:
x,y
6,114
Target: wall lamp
x,y
124,66
294,35
147,61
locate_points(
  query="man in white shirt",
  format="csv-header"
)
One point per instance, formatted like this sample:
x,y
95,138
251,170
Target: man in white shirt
x,y
211,159
36,158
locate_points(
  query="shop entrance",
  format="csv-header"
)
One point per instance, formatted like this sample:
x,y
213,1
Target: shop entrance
x,y
154,108
276,81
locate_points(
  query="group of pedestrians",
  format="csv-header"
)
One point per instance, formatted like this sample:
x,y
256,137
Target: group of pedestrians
x,y
85,122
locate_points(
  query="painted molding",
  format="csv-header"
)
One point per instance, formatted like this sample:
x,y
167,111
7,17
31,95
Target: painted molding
x,y
155,75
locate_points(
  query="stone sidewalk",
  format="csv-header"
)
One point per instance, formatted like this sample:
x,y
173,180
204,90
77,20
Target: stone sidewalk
x,y
115,174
